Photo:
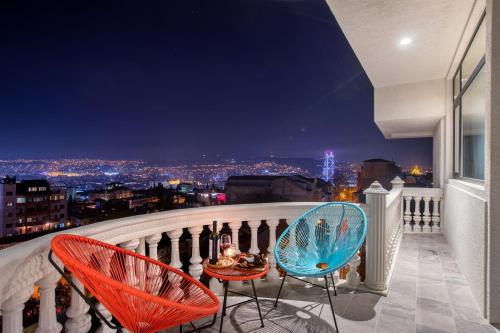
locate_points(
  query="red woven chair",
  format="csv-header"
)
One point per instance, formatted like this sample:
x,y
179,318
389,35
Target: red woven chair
x,y
143,295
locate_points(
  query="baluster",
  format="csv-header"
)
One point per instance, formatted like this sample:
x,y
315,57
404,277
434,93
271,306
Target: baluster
x,y
103,328
141,249
131,245
79,320
12,311
153,241
436,217
254,226
407,214
426,216
174,236
235,228
273,272
353,278
417,217
196,268
47,321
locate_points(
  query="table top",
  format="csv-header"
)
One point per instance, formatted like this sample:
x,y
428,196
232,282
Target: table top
x,y
234,274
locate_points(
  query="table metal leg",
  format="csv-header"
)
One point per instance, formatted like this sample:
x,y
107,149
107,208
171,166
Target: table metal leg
x,y
257,301
226,284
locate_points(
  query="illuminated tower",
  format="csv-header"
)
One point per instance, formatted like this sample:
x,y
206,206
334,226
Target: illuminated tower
x,y
328,166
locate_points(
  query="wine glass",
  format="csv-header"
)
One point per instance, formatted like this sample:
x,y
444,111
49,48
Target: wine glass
x,y
225,243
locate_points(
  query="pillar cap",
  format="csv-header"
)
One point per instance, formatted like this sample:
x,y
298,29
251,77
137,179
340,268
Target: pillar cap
x,y
397,182
376,188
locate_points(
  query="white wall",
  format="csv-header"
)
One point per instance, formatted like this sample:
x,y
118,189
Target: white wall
x,y
410,110
438,153
465,228
492,173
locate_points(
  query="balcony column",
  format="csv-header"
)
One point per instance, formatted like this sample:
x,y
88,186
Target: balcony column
x,y
196,268
235,228
376,261
131,245
141,249
12,311
175,260
407,214
273,272
426,216
153,241
254,228
79,320
436,217
103,328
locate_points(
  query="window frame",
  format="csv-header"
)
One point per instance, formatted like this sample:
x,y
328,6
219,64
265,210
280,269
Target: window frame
x,y
457,102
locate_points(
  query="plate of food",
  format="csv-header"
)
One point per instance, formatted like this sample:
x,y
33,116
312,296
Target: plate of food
x,y
251,262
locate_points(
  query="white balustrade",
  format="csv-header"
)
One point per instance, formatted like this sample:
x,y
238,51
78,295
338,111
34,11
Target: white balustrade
x,y
436,217
426,216
175,259
426,219
153,241
235,228
141,249
407,214
135,232
353,279
79,320
103,328
12,311
47,322
254,226
196,268
132,278
273,272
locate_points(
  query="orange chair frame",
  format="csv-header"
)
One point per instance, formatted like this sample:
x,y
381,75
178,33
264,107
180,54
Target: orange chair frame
x,y
112,284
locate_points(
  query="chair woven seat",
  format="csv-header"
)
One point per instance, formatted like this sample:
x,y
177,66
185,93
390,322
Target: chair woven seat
x,y
322,240
143,294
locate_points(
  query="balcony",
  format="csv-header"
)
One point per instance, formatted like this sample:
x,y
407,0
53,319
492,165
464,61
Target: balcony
x,y
412,284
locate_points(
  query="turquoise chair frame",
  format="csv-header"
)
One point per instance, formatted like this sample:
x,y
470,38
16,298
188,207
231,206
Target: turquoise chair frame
x,y
321,241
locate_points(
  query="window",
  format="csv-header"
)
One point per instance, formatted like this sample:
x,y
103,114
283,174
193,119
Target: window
x,y
9,193
469,100
21,200
9,203
32,189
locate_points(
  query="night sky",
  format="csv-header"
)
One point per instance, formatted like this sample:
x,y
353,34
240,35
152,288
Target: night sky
x,y
175,80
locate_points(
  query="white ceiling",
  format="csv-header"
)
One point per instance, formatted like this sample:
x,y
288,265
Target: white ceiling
x,y
374,29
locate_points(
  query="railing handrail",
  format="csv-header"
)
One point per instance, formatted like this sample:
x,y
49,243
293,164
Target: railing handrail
x,y
423,191
15,259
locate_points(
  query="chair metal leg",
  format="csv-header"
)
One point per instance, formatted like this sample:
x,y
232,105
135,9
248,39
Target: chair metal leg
x,y
279,291
226,285
258,306
331,304
333,282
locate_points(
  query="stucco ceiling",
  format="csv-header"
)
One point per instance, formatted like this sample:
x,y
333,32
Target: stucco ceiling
x,y
374,29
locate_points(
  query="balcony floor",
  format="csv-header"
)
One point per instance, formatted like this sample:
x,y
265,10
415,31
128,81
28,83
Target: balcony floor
x,y
428,294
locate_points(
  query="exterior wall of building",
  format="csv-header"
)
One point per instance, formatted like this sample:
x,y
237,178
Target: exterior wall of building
x,y
410,110
493,157
7,209
469,220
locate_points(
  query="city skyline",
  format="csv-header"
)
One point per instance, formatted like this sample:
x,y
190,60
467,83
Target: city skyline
x,y
183,81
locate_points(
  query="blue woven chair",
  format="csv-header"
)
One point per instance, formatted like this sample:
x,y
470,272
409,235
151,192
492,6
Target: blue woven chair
x,y
319,242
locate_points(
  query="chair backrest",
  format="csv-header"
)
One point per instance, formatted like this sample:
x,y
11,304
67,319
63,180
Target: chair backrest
x,y
143,294
322,240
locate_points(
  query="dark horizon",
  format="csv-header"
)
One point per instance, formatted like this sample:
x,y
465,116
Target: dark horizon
x,y
181,79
